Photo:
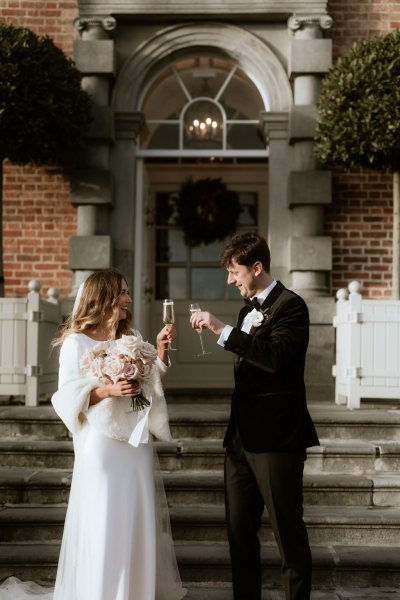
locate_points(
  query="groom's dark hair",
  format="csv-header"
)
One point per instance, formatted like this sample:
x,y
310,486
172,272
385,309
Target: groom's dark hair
x,y
246,249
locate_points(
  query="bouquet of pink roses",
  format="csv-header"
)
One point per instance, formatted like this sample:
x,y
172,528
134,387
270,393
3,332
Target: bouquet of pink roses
x,y
128,358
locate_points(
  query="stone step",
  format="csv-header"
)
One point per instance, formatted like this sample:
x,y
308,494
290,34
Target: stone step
x,y
30,452
326,525
332,456
51,486
192,487
332,422
40,422
196,591
208,420
340,593
333,566
32,522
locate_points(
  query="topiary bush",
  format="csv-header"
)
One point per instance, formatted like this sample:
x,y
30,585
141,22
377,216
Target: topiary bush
x,y
44,113
358,119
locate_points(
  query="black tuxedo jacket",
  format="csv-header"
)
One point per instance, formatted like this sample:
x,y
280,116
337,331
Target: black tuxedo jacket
x,y
269,406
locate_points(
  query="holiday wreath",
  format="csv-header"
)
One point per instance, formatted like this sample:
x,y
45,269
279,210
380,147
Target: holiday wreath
x,y
207,211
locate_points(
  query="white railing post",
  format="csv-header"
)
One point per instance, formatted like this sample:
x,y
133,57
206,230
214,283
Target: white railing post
x,y
339,322
33,368
347,370
354,367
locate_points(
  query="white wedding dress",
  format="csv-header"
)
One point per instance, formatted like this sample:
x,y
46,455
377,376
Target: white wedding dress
x,y
117,543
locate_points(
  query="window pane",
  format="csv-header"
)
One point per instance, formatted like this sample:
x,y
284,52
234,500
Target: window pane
x,y
207,253
165,208
208,283
249,204
170,246
231,292
244,137
164,136
170,283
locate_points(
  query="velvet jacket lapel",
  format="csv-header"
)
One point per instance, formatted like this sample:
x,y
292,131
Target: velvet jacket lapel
x,y
268,303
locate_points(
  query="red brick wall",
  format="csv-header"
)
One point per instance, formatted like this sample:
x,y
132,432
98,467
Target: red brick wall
x,y
38,216
356,20
37,221
360,218
360,223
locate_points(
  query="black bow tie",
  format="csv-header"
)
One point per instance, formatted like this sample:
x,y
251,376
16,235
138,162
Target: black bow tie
x,y
250,304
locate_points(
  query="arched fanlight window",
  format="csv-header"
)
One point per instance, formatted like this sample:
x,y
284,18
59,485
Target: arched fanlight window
x,y
202,103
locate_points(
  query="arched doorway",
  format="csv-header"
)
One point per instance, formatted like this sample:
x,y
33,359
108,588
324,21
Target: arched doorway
x,y
201,108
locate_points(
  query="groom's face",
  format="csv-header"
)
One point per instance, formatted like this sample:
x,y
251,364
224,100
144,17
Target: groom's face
x,y
244,278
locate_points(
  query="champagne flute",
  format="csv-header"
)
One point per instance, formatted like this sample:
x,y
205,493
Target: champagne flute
x,y
195,308
169,316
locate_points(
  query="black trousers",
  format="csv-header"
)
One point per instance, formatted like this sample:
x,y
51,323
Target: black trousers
x,y
275,480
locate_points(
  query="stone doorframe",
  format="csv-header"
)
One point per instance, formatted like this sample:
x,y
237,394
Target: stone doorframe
x,y
104,190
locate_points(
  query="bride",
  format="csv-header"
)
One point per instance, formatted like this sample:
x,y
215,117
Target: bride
x,y
117,543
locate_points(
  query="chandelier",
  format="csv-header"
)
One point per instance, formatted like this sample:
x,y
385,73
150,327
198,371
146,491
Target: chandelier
x,y
203,121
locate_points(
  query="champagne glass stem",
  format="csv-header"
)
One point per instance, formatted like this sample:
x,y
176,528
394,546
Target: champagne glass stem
x,y
203,350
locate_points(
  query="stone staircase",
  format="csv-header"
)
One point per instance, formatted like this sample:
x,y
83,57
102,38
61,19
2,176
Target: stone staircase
x,y
351,492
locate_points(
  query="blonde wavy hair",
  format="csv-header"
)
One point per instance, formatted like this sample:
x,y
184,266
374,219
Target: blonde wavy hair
x,y
100,292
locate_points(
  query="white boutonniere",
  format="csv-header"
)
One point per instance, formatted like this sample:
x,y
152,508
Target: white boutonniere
x,y
259,317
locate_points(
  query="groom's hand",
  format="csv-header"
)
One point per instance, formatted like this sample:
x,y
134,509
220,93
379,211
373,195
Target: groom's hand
x,y
206,320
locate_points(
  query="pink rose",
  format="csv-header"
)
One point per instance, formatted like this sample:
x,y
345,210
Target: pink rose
x,y
113,367
131,371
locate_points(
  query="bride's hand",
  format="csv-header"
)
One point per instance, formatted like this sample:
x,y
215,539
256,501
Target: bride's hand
x,y
123,388
165,336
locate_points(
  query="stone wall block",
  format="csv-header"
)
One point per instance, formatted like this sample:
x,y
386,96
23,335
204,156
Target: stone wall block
x,y
90,252
302,122
311,253
309,187
102,125
95,57
310,56
91,186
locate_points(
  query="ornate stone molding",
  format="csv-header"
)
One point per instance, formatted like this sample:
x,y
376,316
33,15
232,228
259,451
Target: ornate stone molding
x,y
128,125
107,23
296,22
251,53
263,8
273,126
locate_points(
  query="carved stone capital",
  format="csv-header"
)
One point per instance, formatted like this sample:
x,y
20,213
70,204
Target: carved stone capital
x,y
273,126
128,125
297,22
106,23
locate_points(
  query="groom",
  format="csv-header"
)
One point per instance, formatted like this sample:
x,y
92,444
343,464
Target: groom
x,y
269,427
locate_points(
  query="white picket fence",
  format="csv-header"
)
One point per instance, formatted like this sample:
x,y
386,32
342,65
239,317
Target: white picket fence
x,y
367,348
27,326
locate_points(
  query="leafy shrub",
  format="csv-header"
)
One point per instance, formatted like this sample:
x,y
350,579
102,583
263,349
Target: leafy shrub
x,y
44,113
359,107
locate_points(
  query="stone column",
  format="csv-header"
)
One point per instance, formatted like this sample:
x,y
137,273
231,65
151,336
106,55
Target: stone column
x,y
123,161
91,183
309,189
274,130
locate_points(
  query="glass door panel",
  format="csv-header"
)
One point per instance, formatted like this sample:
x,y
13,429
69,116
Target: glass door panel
x,y
186,272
